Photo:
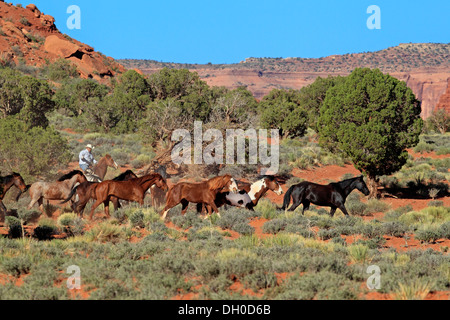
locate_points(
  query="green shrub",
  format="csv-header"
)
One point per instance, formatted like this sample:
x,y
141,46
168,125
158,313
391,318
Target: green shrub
x,y
357,208
395,229
435,203
71,224
274,226
106,232
137,219
17,266
267,209
15,229
428,234
358,253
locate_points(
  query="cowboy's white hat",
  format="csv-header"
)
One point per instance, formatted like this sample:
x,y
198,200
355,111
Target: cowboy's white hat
x,y
90,146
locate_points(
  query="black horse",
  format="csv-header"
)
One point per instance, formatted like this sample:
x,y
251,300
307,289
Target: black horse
x,y
332,195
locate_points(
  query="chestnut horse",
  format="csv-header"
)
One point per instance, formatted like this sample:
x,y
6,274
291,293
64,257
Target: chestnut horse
x,y
131,190
84,192
332,195
58,190
100,168
249,194
6,183
202,192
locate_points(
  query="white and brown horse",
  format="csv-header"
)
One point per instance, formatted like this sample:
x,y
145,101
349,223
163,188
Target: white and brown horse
x,y
58,190
249,194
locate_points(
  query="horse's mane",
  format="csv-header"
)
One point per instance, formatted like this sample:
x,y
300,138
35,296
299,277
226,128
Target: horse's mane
x,y
218,182
345,183
70,175
8,178
269,177
123,175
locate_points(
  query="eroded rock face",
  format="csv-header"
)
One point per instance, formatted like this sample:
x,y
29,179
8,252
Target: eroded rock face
x,y
38,42
60,47
9,29
89,63
34,9
444,101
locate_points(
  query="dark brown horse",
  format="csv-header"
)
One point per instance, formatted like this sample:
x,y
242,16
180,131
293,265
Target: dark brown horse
x,y
84,193
248,195
332,195
100,168
202,192
58,190
131,190
6,183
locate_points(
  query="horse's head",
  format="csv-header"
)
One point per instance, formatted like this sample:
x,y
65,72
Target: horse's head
x,y
110,162
161,183
273,185
229,184
19,182
361,185
81,177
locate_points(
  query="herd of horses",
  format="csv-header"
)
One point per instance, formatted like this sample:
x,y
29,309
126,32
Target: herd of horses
x,y
209,195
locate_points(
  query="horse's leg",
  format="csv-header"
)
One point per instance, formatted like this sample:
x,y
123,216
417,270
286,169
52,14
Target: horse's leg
x,y
106,204
295,204
306,205
343,209
212,205
3,209
184,206
41,205
94,206
332,211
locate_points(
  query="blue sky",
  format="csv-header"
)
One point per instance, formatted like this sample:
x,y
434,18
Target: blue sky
x,y
230,31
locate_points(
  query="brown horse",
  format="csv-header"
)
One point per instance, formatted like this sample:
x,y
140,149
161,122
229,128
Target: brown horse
x,y
201,192
6,183
84,192
131,190
248,195
100,168
58,190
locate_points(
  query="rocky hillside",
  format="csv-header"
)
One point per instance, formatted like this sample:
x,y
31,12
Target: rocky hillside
x,y
30,37
424,67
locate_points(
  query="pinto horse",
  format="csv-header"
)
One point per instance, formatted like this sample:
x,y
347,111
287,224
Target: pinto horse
x,y
58,190
131,190
332,195
84,192
100,168
6,183
202,192
249,194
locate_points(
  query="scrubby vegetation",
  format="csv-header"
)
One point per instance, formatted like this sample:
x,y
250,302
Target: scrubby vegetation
x,y
202,259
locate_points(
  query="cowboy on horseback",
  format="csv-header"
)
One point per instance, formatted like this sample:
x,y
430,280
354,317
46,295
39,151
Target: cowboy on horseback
x,y
86,159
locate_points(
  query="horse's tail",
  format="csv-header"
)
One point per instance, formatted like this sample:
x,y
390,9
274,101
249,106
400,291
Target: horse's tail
x,y
21,192
287,198
72,193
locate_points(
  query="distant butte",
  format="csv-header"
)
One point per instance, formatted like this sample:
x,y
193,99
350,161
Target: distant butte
x,y
425,67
